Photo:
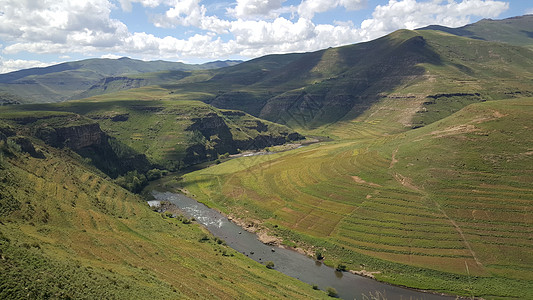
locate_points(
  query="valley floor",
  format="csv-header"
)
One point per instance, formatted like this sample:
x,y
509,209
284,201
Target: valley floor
x,y
446,207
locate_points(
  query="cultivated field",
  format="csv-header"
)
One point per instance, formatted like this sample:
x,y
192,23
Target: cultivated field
x,y
68,232
445,207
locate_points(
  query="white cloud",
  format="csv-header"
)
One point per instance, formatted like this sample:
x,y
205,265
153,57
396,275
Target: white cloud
x,y
111,56
529,11
11,65
253,27
308,8
412,14
190,13
248,9
126,4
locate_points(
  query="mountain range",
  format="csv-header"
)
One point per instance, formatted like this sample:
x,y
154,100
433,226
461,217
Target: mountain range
x,y
66,80
418,170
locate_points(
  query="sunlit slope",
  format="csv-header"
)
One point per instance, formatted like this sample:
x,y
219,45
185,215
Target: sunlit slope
x,y
427,74
66,232
445,207
514,31
72,79
468,71
173,134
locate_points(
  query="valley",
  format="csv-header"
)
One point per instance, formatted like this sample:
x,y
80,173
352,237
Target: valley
x,y
416,171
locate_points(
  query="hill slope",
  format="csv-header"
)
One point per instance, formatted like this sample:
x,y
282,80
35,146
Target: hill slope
x,y
68,232
147,133
515,31
446,207
64,81
311,91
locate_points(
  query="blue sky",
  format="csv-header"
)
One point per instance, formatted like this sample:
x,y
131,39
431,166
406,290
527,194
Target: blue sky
x,y
43,32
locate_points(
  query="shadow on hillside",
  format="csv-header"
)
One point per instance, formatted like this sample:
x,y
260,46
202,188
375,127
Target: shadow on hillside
x,y
366,71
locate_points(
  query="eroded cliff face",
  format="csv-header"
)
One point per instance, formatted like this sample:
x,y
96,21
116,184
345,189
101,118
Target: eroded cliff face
x,y
74,137
218,135
82,135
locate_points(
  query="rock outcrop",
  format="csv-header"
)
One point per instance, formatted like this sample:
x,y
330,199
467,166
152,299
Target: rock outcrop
x,y
219,137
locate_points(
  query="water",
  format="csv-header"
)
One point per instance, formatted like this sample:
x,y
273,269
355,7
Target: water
x,y
348,285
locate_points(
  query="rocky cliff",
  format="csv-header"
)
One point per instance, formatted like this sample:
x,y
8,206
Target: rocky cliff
x,y
74,137
231,132
80,134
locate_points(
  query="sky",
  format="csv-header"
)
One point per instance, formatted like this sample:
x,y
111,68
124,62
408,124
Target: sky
x,y
37,33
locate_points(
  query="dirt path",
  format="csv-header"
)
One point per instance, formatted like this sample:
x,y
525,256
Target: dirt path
x,y
460,231
393,160
407,182
362,181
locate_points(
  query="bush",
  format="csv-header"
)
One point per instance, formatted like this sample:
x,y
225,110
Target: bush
x,y
154,174
341,268
315,287
132,181
319,255
269,265
203,238
332,292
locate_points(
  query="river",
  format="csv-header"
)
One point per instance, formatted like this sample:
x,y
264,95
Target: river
x,y
294,264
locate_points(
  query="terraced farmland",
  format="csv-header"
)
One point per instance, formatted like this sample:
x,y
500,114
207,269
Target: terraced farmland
x,y
68,232
447,207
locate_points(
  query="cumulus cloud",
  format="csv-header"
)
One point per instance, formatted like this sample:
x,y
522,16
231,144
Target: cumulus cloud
x,y
413,14
11,65
190,13
248,9
250,29
308,8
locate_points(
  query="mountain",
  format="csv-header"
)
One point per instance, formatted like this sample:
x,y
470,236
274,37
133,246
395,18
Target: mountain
x,y
425,181
63,81
310,90
515,31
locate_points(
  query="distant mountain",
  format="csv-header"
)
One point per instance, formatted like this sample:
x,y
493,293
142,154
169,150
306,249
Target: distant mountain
x,y
309,90
515,31
63,81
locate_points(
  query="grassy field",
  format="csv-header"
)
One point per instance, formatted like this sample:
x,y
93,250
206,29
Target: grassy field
x,y
67,232
162,129
445,207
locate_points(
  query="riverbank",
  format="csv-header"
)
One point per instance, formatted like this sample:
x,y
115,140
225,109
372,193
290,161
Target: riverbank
x,y
348,284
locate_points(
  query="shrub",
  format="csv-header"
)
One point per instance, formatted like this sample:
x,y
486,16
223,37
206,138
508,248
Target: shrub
x,y
332,292
315,287
319,255
154,174
132,181
269,264
341,268
203,238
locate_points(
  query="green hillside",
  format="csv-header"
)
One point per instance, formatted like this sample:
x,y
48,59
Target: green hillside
x,y
68,232
446,207
68,80
311,90
515,31
425,179
166,134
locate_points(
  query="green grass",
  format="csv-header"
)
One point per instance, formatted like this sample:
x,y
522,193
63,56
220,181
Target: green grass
x,y
446,207
160,129
68,232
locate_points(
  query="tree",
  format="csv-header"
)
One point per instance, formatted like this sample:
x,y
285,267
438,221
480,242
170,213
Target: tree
x,y
153,174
